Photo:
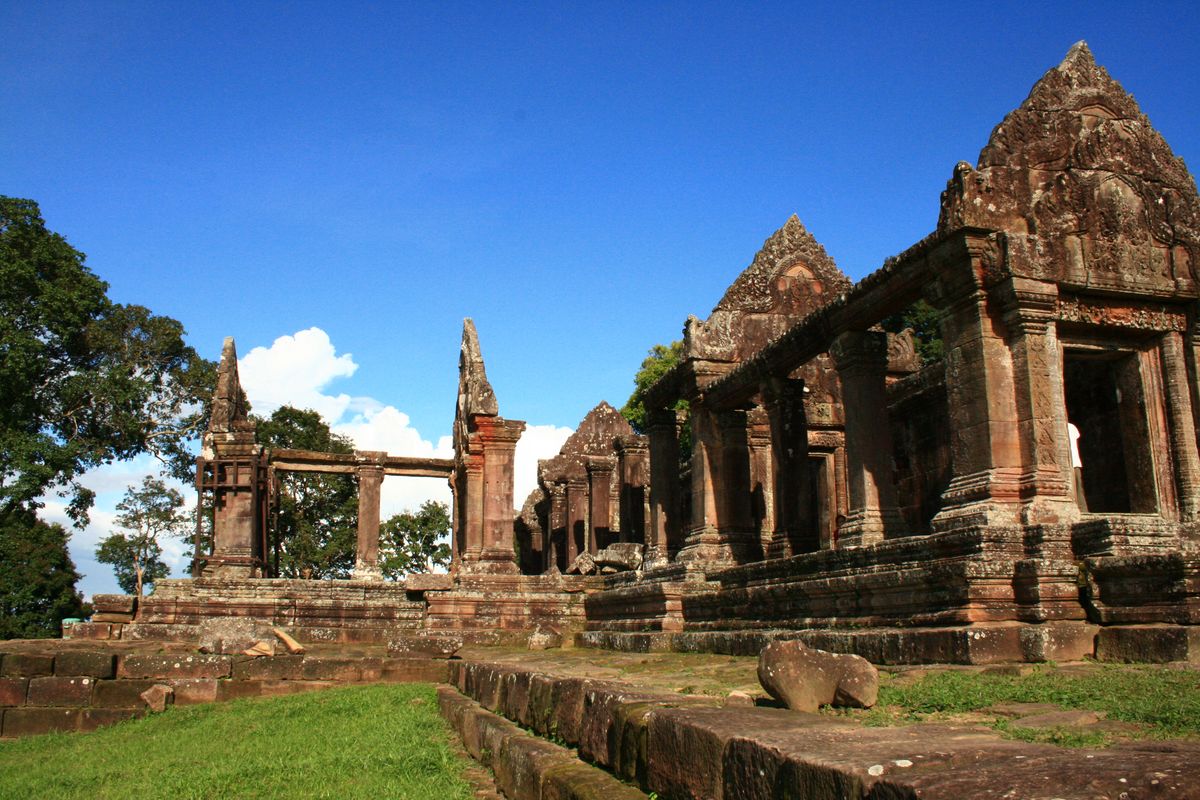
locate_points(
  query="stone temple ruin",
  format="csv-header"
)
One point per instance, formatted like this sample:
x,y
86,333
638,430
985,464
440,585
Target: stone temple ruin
x,y
838,491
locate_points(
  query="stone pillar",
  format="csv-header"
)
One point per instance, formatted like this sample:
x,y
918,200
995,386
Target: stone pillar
x,y
577,508
237,499
979,388
762,477
632,458
1046,481
703,540
499,439
556,522
861,359
600,474
370,480
793,533
662,427
735,511
1182,424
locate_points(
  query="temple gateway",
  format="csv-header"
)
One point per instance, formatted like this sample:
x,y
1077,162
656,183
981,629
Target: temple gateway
x,y
1030,495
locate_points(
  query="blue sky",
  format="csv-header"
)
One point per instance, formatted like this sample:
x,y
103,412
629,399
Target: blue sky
x,y
578,177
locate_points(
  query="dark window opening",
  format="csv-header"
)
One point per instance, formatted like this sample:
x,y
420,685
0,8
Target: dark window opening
x,y
1106,403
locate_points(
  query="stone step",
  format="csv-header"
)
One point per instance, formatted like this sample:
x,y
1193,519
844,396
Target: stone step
x,y
687,747
526,767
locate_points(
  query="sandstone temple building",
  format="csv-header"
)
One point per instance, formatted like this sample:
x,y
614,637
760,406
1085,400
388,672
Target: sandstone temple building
x,y
1031,495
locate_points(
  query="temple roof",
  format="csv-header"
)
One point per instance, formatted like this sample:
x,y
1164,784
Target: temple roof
x,y
790,276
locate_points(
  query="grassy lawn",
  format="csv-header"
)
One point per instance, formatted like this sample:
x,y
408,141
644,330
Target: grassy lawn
x,y
1162,703
359,741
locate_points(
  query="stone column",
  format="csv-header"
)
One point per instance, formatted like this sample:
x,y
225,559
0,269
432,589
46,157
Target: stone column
x,y
370,480
732,486
632,457
499,440
1046,482
557,523
600,474
703,541
861,359
979,388
1182,422
783,399
762,477
662,426
577,508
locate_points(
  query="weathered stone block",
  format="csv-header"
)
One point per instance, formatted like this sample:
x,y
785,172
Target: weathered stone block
x,y
32,721
120,694
16,665
56,691
428,582
99,631
158,697
13,691
430,645
93,663
1149,643
190,691
271,688
236,690
175,666
119,619
805,679
114,603
268,668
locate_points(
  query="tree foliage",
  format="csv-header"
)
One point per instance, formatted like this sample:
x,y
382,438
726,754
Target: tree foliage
x,y
318,514
83,381
925,322
37,577
146,514
415,542
658,362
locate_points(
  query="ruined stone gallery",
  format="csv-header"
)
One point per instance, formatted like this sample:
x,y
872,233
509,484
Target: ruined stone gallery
x,y
1031,494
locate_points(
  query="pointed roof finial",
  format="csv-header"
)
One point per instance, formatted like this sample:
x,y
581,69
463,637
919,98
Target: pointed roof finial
x,y
229,405
475,395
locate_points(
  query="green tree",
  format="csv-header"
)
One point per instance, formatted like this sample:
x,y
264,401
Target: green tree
x,y
83,381
147,513
925,322
658,362
318,514
415,542
37,577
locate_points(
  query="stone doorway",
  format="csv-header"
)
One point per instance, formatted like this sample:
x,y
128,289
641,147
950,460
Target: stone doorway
x,y
1106,401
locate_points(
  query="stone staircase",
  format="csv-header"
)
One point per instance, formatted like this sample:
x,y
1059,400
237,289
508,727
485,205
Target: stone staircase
x,y
551,736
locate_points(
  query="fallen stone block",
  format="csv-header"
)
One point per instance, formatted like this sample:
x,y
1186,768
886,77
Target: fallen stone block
x,y
544,638
158,697
623,556
93,663
805,679
232,634
584,564
260,649
292,646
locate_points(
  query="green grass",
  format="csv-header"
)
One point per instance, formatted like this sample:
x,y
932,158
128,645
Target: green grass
x,y
1165,701
361,741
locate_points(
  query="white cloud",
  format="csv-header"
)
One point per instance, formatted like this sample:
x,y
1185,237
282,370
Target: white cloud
x,y
538,442
293,371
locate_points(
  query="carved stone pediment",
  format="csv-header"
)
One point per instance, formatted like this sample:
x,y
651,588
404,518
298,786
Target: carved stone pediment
x,y
1079,171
